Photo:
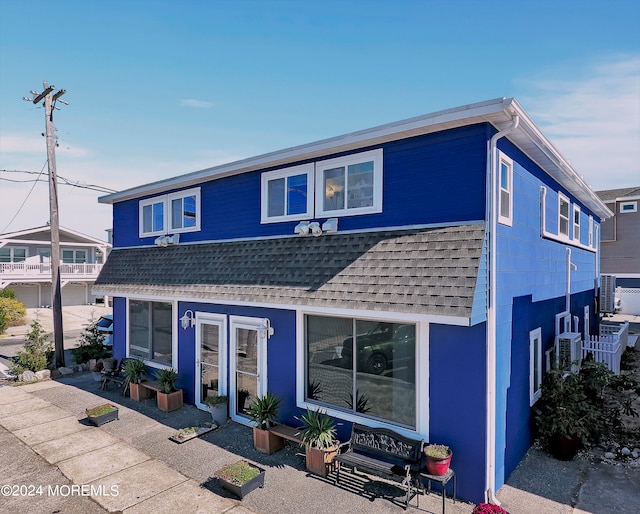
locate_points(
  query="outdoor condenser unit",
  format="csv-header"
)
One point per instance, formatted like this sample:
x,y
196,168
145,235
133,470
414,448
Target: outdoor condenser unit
x,y
569,351
607,293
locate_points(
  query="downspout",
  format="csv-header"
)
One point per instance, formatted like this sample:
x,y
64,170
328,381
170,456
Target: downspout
x,y
492,223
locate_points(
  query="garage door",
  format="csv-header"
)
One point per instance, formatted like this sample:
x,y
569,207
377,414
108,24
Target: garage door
x,y
27,294
74,294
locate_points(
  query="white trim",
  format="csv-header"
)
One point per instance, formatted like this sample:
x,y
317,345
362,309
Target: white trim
x,y
535,343
151,202
165,201
220,320
503,159
345,161
174,332
574,225
634,207
591,241
564,199
195,191
286,173
422,378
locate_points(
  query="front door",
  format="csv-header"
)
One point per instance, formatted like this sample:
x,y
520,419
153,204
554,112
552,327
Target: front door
x,y
211,357
248,365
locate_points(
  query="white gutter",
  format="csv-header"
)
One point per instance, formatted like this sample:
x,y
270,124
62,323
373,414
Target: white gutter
x,y
492,224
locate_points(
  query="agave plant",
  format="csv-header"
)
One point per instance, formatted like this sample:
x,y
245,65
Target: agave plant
x,y
319,429
264,411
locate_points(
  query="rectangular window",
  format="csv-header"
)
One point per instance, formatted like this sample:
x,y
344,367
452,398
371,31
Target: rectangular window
x,y
535,365
628,207
287,194
173,213
74,256
576,223
150,331
505,198
591,243
364,367
563,215
349,185
8,254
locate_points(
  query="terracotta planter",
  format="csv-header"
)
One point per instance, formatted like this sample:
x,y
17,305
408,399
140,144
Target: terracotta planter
x,y
266,442
320,462
437,466
169,401
138,393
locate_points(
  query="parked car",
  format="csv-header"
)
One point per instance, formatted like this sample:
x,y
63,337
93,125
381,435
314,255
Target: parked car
x,y
385,346
105,325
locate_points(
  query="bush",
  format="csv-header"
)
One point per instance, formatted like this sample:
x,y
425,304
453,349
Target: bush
x,y
7,293
13,310
91,345
37,353
4,322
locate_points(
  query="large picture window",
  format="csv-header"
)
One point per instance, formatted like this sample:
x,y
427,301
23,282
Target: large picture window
x,y
364,367
150,331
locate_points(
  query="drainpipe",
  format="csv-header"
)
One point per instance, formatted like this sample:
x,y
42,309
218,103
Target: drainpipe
x,y
492,223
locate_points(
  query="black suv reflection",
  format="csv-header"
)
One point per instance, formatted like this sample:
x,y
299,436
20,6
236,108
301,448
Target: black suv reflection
x,y
386,345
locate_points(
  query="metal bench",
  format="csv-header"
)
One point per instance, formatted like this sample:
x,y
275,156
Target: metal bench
x,y
383,453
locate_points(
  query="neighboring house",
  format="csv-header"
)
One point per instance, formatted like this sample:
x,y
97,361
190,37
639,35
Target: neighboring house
x,y
409,276
25,265
620,246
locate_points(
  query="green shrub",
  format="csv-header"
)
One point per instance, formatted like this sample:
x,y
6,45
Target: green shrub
x,y
13,310
4,322
91,345
7,293
37,353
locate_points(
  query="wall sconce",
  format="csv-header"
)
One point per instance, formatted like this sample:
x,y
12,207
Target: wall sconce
x,y
302,228
267,329
188,320
315,228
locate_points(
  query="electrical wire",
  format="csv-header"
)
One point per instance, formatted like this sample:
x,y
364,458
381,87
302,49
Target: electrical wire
x,y
25,200
65,181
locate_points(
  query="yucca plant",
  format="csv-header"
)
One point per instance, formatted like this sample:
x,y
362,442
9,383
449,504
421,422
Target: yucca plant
x,y
264,411
167,378
319,429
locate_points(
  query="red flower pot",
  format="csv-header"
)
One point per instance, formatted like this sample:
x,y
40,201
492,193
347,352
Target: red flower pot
x,y
438,467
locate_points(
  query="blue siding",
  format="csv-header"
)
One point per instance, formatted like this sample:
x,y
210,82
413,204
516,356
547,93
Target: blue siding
x,y
457,396
414,169
119,327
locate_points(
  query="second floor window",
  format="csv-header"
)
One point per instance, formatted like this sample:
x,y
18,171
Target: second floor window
x,y
168,214
505,198
563,215
74,256
13,254
576,223
287,194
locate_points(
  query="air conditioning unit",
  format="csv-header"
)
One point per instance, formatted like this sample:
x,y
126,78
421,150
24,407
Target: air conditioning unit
x,y
607,293
568,346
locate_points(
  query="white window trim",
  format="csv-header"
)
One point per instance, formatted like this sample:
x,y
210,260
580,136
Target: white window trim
x,y
372,155
634,206
285,173
12,253
574,225
165,200
183,194
535,389
505,220
175,323
422,374
562,198
591,238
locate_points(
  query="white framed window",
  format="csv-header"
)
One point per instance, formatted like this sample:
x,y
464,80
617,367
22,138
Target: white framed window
x,y
349,185
151,331
13,254
505,197
563,215
591,240
172,213
628,207
74,256
287,194
535,365
576,222
184,209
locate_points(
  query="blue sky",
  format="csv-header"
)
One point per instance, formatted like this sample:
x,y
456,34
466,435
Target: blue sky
x,y
162,88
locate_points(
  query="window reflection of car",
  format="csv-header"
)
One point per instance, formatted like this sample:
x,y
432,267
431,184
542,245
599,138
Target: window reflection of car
x,y
105,326
385,346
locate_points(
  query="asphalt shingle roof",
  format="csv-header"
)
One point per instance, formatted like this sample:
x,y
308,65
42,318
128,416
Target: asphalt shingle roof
x,y
422,271
611,194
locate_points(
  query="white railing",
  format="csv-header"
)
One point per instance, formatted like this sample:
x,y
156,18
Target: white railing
x,y
608,346
22,270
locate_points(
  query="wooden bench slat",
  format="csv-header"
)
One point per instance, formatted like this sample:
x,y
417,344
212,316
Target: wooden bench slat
x,y
286,432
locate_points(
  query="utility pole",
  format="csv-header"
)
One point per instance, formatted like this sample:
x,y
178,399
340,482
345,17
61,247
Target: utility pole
x,y
49,105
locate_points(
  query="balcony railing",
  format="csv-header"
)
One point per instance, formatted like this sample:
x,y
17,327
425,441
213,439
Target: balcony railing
x,y
15,271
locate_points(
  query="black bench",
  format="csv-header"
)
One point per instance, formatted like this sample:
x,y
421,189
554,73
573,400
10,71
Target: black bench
x,y
383,453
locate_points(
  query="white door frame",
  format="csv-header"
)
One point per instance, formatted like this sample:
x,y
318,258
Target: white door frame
x,y
260,326
206,318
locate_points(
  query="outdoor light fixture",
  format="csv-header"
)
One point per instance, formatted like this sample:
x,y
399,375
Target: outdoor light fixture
x,y
315,228
302,228
188,320
330,226
267,329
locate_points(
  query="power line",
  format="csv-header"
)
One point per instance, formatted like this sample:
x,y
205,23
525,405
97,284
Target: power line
x,y
66,181
25,200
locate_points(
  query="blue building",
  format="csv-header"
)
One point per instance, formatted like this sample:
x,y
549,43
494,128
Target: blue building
x,y
407,276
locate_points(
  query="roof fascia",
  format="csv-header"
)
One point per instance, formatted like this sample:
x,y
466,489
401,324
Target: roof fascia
x,y
13,237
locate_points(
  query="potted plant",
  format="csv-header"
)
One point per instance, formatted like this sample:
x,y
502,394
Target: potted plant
x,y
488,508
134,371
263,411
102,414
241,477
565,415
169,398
318,434
438,459
218,406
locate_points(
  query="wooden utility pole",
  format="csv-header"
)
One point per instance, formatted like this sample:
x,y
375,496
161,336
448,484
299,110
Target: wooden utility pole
x,y
56,289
